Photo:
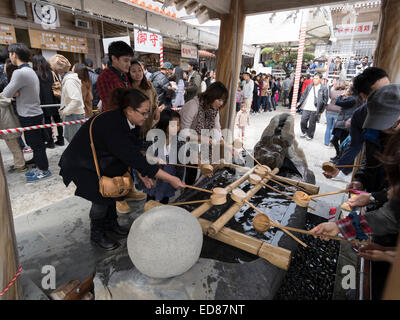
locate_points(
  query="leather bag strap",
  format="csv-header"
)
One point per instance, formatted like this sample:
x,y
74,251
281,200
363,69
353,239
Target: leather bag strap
x,y
93,148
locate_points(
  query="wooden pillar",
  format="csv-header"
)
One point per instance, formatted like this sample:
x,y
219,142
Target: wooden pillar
x,y
392,286
229,58
8,244
387,57
387,54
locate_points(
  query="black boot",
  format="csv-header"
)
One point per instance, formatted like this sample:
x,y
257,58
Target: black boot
x,y
60,141
50,145
99,237
118,230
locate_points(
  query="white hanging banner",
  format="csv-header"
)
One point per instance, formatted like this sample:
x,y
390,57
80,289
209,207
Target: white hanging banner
x,y
147,41
46,15
357,29
188,51
107,42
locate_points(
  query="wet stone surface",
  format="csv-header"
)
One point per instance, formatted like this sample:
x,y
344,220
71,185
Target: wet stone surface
x,y
311,275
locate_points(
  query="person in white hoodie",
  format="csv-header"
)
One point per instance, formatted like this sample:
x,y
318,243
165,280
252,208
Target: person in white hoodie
x,y
72,106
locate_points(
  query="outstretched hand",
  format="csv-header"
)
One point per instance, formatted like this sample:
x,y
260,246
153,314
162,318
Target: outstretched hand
x,y
328,228
149,183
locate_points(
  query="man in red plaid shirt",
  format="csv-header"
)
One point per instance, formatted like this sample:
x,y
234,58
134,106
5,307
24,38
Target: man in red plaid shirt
x,y
115,76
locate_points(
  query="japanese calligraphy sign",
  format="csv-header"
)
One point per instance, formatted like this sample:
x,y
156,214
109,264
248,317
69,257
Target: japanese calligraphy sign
x,y
188,51
357,29
57,41
7,34
147,41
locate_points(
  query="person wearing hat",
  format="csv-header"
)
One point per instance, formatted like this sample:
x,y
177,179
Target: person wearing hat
x,y
163,87
194,87
383,113
71,106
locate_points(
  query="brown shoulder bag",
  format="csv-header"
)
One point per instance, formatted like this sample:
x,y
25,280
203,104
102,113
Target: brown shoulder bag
x,y
110,187
56,86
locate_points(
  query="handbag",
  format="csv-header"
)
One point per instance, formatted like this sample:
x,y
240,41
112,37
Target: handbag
x,y
115,187
56,86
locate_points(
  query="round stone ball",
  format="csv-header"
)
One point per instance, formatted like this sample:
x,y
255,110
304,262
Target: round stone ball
x,y
165,242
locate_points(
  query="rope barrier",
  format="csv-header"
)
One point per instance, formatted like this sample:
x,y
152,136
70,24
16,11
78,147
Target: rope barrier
x,y
41,126
12,281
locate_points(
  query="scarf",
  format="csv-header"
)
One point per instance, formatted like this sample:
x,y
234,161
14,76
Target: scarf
x,y
205,119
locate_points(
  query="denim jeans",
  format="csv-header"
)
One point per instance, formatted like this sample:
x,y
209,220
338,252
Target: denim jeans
x,y
331,118
72,129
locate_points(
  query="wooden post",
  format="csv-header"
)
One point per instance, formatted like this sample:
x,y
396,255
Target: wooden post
x,y
392,286
387,53
229,58
8,245
387,57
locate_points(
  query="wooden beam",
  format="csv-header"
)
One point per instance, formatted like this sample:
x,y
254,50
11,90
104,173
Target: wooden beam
x,y
229,58
220,6
264,6
387,54
392,286
8,245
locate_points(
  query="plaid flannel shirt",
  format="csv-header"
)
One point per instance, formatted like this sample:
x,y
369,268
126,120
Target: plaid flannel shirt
x,y
106,82
348,230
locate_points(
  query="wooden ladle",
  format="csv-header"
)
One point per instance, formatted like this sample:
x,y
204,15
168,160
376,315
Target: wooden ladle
x,y
302,199
239,196
255,179
330,167
262,223
218,196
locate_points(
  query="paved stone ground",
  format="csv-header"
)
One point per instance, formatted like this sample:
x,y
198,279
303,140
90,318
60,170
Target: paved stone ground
x,y
26,198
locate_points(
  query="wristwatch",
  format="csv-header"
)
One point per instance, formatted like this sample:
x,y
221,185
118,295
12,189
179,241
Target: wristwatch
x,y
371,198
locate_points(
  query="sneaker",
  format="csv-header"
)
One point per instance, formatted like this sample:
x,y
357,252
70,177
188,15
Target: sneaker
x,y
303,135
27,150
31,173
40,175
308,138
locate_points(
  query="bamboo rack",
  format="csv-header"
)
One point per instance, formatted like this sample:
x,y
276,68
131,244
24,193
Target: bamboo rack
x,y
217,225
277,256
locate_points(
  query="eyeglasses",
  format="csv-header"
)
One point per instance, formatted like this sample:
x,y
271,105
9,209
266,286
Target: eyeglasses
x,y
144,114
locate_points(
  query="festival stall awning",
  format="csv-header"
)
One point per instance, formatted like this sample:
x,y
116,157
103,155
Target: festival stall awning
x,y
204,53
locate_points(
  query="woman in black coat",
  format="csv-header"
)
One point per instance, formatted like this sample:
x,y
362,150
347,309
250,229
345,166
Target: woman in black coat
x,y
46,79
118,146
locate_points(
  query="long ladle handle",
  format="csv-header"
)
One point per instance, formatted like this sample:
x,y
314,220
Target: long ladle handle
x,y
328,193
276,190
281,184
313,234
275,222
183,165
197,188
188,202
252,157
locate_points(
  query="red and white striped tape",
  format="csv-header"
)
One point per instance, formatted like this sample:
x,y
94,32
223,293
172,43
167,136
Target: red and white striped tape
x,y
12,281
298,70
332,214
161,55
41,126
